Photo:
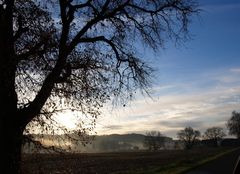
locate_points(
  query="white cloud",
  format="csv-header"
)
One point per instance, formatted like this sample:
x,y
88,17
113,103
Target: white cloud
x,y
235,70
200,108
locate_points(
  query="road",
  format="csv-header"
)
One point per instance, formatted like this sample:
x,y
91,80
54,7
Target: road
x,y
223,165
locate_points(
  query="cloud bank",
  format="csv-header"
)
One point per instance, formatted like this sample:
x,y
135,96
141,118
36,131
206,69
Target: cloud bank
x,y
206,102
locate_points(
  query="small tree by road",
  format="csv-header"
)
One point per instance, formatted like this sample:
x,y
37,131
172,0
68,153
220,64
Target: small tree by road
x,y
189,136
233,124
214,134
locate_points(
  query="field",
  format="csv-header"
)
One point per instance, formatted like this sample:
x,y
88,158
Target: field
x,y
113,163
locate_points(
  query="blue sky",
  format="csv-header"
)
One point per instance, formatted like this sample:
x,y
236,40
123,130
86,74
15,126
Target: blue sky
x,y
214,45
196,84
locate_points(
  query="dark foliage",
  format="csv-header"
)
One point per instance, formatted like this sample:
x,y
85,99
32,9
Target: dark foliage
x,y
233,124
189,136
214,134
154,140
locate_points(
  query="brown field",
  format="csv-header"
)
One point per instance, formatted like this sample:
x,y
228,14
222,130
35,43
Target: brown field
x,y
107,163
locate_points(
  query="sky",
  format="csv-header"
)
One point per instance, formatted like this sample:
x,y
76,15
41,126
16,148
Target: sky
x,y
196,84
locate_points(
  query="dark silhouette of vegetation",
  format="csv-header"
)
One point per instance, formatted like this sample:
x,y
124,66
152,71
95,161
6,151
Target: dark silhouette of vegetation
x,y
189,136
214,134
154,140
233,124
75,55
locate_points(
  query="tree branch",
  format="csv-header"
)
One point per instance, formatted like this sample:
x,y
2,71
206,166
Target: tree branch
x,y
79,6
36,105
33,51
103,39
92,22
20,30
161,8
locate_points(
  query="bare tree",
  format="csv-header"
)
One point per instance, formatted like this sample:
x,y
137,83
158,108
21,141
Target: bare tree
x,y
71,54
154,140
189,136
214,134
233,124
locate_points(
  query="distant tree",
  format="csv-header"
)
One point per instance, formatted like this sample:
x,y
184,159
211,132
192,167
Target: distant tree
x,y
189,136
76,55
233,124
135,148
214,134
154,140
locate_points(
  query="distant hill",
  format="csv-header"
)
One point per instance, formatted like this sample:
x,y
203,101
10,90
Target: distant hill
x,y
114,142
133,138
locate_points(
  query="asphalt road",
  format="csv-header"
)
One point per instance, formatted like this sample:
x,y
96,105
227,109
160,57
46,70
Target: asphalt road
x,y
223,165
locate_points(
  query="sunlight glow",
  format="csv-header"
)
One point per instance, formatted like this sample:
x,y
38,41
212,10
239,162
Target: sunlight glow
x,y
67,119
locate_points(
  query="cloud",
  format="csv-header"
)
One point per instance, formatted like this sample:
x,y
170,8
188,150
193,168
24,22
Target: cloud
x,y
235,70
113,127
200,106
181,123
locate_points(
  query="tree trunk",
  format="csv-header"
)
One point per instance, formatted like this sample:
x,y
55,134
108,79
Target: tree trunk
x,y
11,124
11,128
11,149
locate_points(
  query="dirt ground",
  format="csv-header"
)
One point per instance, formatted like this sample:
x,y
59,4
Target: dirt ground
x,y
106,163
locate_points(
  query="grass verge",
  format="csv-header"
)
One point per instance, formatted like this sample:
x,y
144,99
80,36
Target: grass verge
x,y
185,165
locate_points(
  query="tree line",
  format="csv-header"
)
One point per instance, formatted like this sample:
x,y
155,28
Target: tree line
x,y
189,136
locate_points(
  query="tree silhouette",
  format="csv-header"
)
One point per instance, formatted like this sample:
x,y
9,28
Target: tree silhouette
x,y
233,124
189,136
75,55
154,140
214,134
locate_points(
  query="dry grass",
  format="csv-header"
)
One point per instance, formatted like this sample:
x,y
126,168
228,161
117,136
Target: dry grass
x,y
106,163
